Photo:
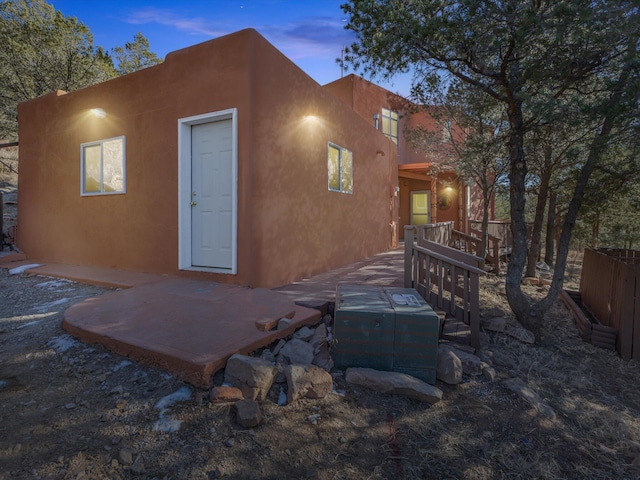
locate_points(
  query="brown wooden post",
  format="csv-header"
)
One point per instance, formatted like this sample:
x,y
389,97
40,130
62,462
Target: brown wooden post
x,y
461,223
434,200
635,354
626,322
496,254
408,255
474,311
1,225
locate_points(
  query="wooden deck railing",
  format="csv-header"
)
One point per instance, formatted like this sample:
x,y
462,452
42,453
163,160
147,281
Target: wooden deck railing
x,y
444,234
448,279
610,289
493,249
498,229
432,232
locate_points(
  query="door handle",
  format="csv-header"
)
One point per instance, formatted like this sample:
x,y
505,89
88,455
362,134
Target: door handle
x,y
193,203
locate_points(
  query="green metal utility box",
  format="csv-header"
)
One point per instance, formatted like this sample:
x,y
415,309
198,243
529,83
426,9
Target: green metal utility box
x,y
385,328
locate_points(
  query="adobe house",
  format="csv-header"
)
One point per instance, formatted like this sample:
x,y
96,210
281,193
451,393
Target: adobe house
x,y
226,160
430,191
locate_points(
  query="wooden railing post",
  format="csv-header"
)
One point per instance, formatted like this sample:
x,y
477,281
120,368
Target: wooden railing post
x,y
635,353
474,311
1,225
409,242
436,273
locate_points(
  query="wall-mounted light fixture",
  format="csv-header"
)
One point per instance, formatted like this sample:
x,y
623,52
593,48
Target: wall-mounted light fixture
x,y
447,183
98,112
376,117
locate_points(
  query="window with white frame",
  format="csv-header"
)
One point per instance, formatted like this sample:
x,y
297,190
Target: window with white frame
x,y
340,166
102,166
390,124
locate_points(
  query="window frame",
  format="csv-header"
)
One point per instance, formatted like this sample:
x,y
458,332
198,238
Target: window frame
x,y
341,150
447,131
389,115
100,143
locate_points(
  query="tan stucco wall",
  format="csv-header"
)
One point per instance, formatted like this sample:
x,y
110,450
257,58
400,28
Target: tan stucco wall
x,y
137,230
367,99
343,88
301,226
289,225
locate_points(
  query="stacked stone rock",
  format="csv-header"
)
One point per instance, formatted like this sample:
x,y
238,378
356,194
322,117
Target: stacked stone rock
x,y
301,366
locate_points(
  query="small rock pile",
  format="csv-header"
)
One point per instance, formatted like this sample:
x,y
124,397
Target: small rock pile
x,y
454,361
293,369
300,367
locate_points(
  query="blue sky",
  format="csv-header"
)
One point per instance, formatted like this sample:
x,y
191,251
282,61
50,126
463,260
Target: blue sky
x,y
310,32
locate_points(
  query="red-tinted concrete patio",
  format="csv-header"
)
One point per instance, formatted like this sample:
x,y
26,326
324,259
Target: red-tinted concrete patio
x,y
191,327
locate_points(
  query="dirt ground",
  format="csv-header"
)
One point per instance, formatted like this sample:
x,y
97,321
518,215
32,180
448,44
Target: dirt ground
x,y
74,411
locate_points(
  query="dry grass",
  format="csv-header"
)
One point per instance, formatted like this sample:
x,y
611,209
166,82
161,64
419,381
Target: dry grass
x,y
479,431
483,431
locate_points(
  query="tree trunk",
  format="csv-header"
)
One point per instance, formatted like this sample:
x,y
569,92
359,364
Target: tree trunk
x,y
549,244
530,315
486,197
595,231
536,232
518,301
596,149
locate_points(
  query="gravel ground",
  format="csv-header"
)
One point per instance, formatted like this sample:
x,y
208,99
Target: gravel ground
x,y
77,411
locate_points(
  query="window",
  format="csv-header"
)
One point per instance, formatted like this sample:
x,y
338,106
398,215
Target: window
x,y
340,166
390,124
446,131
103,166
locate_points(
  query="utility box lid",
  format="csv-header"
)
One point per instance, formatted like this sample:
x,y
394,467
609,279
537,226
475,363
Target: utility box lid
x,y
385,328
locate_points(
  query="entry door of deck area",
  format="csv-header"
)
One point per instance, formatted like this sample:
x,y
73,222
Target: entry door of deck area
x,y
420,214
212,195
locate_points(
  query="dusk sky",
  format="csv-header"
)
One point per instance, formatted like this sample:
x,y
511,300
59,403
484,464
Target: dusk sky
x,y
310,32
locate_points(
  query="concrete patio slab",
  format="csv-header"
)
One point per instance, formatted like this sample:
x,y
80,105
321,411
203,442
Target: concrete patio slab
x,y
188,327
384,269
9,256
191,327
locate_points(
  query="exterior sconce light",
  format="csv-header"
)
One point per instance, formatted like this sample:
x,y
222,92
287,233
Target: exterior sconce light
x,y
376,117
98,112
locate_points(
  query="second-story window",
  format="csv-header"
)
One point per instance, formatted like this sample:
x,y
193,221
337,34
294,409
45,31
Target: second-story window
x,y
390,124
446,131
340,163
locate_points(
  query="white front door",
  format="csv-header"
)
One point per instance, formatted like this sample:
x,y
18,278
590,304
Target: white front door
x,y
212,189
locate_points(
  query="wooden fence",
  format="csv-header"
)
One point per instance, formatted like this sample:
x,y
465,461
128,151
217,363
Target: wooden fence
x,y
447,279
610,290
